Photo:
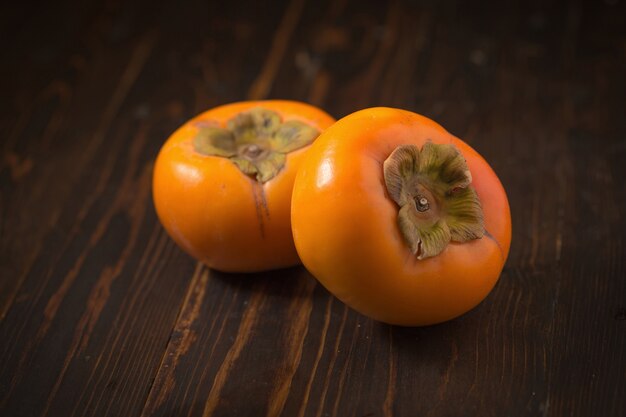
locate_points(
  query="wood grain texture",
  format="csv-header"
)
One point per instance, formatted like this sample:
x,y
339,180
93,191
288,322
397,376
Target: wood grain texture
x,y
102,315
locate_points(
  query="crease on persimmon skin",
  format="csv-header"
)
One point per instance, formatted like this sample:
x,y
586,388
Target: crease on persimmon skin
x,y
488,235
258,194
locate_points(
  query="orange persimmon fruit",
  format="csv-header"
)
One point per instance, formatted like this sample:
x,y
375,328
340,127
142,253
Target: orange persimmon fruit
x,y
399,219
222,182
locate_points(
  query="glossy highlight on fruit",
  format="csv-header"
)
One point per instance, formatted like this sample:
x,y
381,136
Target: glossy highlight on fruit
x,y
399,219
223,181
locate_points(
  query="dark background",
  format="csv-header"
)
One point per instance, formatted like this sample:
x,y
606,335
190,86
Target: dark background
x,y
102,315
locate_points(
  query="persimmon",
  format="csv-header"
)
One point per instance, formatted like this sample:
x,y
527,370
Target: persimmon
x,y
399,219
222,182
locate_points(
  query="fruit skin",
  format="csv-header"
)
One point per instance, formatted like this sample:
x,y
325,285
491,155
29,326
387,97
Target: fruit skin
x,y
218,214
345,224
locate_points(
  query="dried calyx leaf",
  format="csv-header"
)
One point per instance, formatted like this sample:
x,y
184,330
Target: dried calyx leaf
x,y
215,141
293,135
254,124
256,140
437,203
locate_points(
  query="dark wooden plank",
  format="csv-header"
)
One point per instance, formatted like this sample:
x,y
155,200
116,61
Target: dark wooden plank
x,y
99,263
588,374
90,297
38,81
103,315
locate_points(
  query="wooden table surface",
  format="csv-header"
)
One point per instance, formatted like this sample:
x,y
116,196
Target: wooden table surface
x,y
103,315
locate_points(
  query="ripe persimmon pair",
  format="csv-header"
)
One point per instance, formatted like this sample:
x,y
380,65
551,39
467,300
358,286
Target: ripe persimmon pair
x,y
395,216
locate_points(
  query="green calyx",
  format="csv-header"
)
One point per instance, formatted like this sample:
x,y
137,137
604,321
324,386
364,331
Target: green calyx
x,y
437,203
257,141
